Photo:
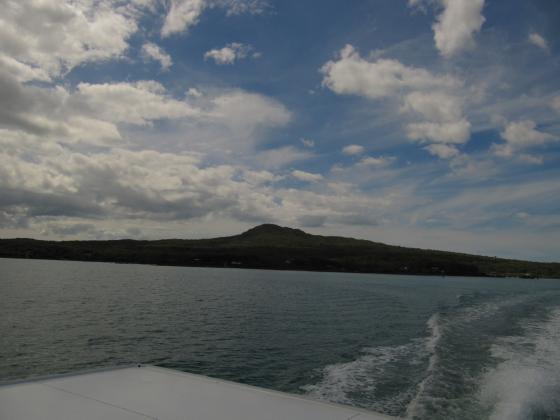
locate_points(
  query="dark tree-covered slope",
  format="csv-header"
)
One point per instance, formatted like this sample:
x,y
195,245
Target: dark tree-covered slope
x,y
281,248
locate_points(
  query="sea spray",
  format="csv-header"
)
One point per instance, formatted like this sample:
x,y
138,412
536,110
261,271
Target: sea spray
x,y
526,384
435,328
365,381
379,379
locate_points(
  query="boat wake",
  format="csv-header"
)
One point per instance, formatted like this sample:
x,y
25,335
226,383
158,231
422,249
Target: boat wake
x,y
526,384
431,349
383,379
494,359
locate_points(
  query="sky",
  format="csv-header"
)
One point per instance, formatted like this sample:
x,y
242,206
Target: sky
x,y
423,123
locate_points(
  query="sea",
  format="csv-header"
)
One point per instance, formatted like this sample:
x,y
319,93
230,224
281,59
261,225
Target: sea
x,y
415,347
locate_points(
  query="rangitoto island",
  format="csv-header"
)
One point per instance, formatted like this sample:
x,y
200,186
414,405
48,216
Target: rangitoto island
x,y
274,247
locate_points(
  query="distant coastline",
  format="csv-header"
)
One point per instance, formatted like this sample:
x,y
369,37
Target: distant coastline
x,y
281,248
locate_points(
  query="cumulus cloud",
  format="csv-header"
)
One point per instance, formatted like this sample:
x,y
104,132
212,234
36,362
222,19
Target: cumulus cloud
x,y
238,7
311,220
416,3
67,192
260,177
339,207
122,183
23,72
242,109
183,14
555,103
457,24
229,54
47,111
530,159
353,149
48,39
307,142
151,51
539,41
71,228
351,74
445,122
440,132
376,162
97,113
434,105
132,103
306,176
520,135
443,151
431,98
281,156
194,92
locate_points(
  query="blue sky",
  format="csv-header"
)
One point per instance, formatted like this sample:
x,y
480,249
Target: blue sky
x,y
425,123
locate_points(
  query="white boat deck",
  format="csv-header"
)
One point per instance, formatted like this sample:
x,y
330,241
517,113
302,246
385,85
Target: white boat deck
x,y
150,392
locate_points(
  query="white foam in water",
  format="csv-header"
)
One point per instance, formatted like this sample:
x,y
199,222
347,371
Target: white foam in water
x,y
431,346
524,385
363,374
529,377
482,310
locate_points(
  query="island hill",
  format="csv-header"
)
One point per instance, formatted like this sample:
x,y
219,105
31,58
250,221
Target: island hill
x,y
280,248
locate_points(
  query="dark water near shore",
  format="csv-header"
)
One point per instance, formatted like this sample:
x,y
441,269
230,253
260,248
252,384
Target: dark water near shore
x,y
417,347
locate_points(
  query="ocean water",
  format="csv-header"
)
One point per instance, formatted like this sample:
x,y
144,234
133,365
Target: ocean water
x,y
413,347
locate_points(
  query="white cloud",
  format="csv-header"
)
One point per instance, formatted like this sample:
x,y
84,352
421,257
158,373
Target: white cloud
x,y
238,7
377,162
257,177
539,41
51,38
87,191
444,113
455,132
306,176
470,168
471,206
248,110
436,99
23,72
50,112
415,3
91,131
350,74
308,143
182,14
229,54
521,135
434,105
353,149
118,184
555,103
456,26
440,132
443,151
530,159
339,207
194,92
145,184
154,52
133,103
99,113
279,157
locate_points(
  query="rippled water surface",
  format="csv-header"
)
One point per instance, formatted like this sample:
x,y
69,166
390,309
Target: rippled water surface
x,y
415,347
